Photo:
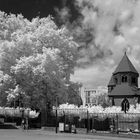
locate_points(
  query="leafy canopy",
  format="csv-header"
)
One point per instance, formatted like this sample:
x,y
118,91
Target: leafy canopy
x,y
38,56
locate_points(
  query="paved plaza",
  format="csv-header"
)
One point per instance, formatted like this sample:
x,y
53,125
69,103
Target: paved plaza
x,y
46,135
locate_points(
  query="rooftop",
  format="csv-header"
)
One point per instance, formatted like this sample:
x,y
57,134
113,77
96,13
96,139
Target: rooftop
x,y
124,89
125,65
111,82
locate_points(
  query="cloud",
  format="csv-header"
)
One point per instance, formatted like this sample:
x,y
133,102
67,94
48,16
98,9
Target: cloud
x,y
63,14
104,30
92,77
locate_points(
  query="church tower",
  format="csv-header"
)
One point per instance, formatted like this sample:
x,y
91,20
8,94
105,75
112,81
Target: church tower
x,y
123,85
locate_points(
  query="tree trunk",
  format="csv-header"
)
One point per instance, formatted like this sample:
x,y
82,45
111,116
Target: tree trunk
x,y
44,117
44,112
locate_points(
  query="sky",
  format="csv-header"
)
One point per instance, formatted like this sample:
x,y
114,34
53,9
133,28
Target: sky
x,y
104,29
114,27
30,8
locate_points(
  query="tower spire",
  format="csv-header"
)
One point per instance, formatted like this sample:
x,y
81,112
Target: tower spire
x,y
125,65
125,51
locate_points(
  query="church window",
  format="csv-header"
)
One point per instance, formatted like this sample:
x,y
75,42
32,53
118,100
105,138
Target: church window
x,y
116,80
133,80
124,79
125,105
113,103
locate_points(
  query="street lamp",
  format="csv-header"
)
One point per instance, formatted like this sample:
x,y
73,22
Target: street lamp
x,y
67,86
56,114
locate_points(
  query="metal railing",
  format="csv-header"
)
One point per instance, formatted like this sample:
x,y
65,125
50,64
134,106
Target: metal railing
x,y
92,122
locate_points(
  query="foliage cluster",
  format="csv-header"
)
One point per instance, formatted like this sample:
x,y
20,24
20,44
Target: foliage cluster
x,y
17,112
36,61
102,113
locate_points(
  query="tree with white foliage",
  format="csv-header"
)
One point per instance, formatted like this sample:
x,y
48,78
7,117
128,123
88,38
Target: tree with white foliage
x,y
38,56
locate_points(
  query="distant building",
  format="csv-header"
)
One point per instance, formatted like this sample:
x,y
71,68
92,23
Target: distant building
x,y
89,95
123,86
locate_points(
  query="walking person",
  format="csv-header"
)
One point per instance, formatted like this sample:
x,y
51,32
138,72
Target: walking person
x,y
23,123
26,123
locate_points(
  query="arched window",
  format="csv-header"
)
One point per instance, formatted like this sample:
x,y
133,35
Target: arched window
x,y
124,79
113,103
133,80
125,105
116,80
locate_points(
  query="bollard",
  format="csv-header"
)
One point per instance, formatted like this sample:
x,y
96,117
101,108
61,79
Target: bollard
x,y
56,122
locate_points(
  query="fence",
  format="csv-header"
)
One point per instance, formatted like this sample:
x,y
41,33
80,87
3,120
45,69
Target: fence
x,y
16,115
92,122
87,122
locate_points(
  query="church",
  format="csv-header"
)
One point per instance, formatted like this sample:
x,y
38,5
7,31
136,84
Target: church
x,y
123,86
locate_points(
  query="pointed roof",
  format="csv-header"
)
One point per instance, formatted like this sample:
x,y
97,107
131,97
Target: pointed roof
x,y
124,89
111,82
125,65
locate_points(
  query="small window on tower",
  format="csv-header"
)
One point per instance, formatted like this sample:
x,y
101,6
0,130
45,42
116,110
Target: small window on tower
x,y
124,79
116,80
133,80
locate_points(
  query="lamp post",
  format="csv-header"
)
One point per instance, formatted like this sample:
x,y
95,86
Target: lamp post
x,y
44,110
27,119
56,115
67,86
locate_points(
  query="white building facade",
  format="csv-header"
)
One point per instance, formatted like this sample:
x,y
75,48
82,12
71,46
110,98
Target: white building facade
x,y
89,95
